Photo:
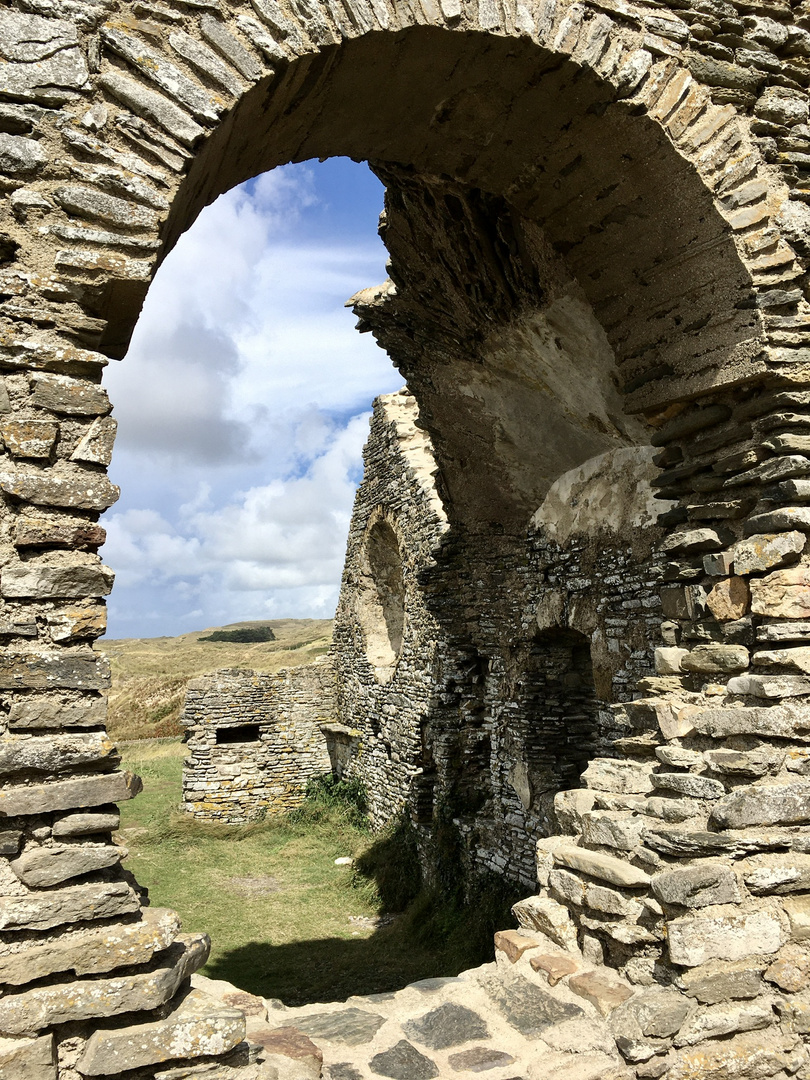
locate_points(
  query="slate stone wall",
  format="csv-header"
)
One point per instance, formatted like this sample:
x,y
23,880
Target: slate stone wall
x,y
255,739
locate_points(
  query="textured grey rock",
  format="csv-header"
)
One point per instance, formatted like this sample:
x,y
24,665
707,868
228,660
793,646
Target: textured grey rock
x,y
32,1010
97,445
18,799
698,885
612,828
20,156
153,106
38,580
227,45
86,824
623,777
721,980
155,67
88,202
725,1019
43,711
527,1007
689,784
782,721
206,61
89,950
43,60
776,873
445,1026
606,867
352,1027
55,753
764,804
197,1026
76,489
403,1062
69,396
724,935
768,551
40,867
716,659
75,903
69,669
28,1059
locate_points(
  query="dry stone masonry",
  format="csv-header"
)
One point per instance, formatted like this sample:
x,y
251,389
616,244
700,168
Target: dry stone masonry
x,y
597,215
255,738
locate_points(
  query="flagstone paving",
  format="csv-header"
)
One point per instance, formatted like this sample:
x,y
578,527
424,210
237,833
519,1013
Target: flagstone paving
x,y
501,1021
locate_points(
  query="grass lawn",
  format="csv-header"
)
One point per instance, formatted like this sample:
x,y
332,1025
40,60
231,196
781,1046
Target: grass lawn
x,y
284,920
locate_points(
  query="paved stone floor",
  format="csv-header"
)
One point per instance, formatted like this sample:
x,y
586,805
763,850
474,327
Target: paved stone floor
x,y
502,1021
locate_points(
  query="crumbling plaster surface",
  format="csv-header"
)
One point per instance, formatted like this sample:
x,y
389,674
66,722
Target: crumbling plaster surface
x,y
650,162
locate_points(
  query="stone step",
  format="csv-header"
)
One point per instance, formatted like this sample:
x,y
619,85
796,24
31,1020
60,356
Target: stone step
x,y
34,1010
87,951
196,1026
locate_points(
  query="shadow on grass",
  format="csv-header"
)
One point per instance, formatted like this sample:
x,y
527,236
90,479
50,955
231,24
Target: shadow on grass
x,y
432,937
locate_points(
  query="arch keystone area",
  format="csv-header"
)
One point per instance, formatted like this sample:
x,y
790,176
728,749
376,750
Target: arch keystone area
x,y
597,215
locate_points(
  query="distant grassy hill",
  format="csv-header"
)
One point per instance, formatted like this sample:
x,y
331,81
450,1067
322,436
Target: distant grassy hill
x,y
149,675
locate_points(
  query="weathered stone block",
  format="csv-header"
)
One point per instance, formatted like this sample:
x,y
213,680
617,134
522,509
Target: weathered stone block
x,y
782,594
43,60
725,1019
68,669
689,784
513,944
570,806
55,753
668,660
612,828
76,489
724,935
36,711
32,1010
623,777
790,971
75,903
89,951
86,824
40,867
59,531
716,659
40,581
768,551
20,156
729,600
776,873
780,721
69,396
96,446
763,804
28,1059
600,989
724,980
605,867
696,886
20,799
541,913
798,912
742,1057
769,686
29,438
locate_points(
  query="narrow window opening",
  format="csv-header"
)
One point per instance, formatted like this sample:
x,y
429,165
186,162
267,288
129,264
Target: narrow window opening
x,y
240,733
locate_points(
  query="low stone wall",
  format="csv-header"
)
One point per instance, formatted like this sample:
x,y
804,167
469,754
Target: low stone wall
x,y
255,739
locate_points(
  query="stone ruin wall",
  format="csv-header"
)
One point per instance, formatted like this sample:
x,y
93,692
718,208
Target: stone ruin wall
x,y
255,739
635,168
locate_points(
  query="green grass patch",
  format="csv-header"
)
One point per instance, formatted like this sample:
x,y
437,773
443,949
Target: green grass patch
x,y
284,920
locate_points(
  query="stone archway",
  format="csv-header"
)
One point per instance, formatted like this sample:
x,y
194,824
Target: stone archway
x,y
569,189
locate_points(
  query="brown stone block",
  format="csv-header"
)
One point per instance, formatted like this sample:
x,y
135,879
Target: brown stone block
x,y
783,594
554,967
58,532
28,1059
729,599
604,992
513,944
29,438
790,971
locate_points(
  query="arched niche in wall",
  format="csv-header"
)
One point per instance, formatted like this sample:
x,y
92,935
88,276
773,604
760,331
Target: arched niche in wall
x,y
556,721
381,603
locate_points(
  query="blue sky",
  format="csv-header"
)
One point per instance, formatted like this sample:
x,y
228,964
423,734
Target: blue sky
x,y
243,406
